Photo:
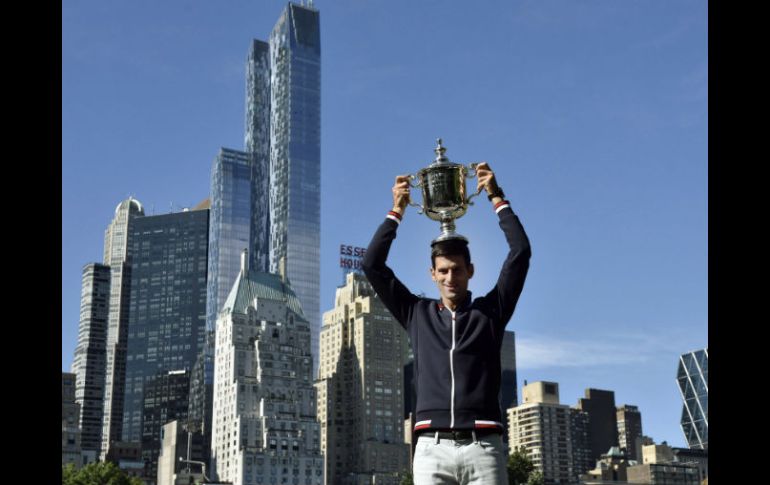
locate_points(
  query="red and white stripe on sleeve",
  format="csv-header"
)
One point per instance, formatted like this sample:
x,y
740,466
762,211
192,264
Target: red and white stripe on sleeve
x,y
393,215
501,205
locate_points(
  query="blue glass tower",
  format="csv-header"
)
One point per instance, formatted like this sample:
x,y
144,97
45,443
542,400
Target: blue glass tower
x,y
693,380
283,135
257,143
295,157
229,227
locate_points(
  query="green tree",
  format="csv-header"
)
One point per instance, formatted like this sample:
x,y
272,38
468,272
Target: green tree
x,y
536,478
407,479
99,473
519,467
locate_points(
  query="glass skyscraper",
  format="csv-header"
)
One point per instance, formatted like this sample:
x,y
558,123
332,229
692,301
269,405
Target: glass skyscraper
x,y
229,226
257,142
283,134
166,331
693,380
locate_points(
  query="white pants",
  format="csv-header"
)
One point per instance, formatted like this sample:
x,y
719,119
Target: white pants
x,y
459,462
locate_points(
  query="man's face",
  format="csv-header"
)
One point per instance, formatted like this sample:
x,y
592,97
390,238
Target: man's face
x,y
451,274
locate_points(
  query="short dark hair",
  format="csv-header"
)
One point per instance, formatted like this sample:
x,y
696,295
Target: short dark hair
x,y
450,247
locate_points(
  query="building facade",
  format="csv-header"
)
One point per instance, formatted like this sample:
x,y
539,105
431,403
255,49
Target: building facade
x,y
229,227
116,254
603,424
90,354
629,429
295,157
580,430
176,445
663,474
695,457
693,381
257,144
541,425
264,420
508,390
70,419
167,311
165,400
283,136
360,388
610,469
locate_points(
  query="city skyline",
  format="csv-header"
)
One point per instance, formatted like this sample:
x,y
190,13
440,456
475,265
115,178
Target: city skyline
x,y
601,110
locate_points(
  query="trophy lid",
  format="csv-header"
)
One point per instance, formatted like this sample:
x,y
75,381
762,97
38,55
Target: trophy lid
x,y
441,160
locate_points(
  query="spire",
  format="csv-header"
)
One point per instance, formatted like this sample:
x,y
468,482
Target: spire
x,y
245,261
282,268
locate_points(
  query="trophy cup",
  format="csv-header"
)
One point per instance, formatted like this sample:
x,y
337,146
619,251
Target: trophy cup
x,y
443,192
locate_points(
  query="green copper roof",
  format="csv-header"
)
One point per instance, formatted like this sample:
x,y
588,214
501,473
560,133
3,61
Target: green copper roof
x,y
614,451
258,285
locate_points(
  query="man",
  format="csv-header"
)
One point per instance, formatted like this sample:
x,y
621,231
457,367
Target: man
x,y
456,345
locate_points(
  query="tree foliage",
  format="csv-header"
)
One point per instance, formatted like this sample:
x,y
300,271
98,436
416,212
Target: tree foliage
x,y
520,467
407,479
99,473
536,478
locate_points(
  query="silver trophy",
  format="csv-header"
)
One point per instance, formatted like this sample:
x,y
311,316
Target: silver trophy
x,y
444,193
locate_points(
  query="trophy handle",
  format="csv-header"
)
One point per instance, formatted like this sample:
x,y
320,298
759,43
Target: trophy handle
x,y
471,174
417,185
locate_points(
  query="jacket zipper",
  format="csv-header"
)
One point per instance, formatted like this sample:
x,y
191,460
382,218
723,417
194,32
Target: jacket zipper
x,y
452,370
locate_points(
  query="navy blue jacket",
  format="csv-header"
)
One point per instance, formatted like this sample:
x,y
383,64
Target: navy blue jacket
x,y
457,354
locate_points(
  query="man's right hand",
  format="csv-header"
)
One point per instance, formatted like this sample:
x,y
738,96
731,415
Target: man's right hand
x,y
401,194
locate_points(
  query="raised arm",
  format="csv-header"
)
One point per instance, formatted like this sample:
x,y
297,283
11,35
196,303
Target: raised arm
x,y
504,296
396,297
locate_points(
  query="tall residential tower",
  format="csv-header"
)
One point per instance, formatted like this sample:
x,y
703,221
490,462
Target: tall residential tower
x,y
291,195
90,354
116,254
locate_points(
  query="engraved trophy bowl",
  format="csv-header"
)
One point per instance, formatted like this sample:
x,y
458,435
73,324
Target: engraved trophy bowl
x,y
444,195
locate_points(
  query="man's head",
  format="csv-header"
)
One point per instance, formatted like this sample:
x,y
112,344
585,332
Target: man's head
x,y
451,268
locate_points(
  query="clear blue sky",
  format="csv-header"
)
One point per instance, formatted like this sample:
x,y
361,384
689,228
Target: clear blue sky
x,y
593,114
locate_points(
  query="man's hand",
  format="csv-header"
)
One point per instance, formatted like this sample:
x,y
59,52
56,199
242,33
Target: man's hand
x,y
487,180
401,194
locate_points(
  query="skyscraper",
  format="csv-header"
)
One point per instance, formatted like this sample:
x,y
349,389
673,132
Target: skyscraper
x,y
257,143
693,380
542,426
264,420
295,157
231,208
360,388
603,424
629,429
90,354
116,253
166,331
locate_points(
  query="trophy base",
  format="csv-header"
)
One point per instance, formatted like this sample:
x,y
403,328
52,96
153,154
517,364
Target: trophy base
x,y
448,233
